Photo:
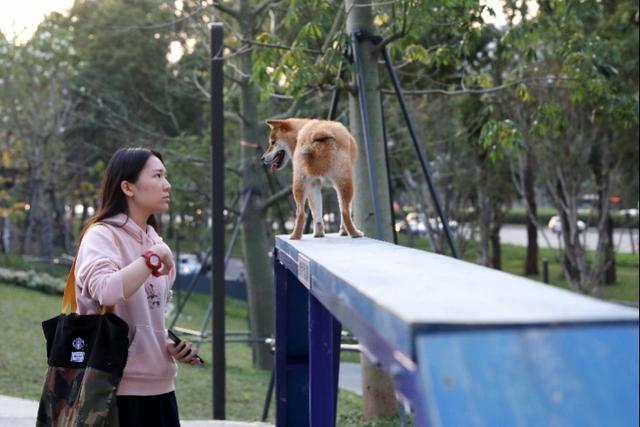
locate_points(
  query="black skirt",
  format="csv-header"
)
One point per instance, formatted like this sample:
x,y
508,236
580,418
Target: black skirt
x,y
148,411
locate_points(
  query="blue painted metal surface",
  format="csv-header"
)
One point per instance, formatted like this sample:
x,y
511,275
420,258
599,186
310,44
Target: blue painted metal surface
x,y
324,363
292,351
465,345
553,376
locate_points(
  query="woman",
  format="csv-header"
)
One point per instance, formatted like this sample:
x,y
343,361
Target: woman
x,y
122,262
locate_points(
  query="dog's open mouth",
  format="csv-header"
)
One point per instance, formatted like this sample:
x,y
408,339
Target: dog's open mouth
x,y
278,160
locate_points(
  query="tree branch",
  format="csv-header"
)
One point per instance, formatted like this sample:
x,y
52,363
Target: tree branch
x,y
466,90
294,106
275,198
260,8
279,46
234,13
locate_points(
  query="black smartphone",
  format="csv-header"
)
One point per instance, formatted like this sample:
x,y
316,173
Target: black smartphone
x,y
176,340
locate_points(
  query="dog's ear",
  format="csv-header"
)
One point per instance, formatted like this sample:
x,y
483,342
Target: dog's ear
x,y
278,124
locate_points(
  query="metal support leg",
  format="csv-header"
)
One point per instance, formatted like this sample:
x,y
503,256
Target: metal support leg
x,y
267,398
421,157
292,349
324,362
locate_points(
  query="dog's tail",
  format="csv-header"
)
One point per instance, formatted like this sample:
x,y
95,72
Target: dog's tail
x,y
322,135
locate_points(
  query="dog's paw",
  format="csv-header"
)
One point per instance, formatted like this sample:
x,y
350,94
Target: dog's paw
x,y
343,232
357,234
318,234
295,236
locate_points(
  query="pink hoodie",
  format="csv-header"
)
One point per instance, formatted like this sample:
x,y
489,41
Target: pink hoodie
x,y
105,250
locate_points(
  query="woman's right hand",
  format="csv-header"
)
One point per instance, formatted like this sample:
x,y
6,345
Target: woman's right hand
x,y
164,252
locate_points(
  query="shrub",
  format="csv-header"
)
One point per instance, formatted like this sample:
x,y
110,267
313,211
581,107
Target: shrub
x,y
32,279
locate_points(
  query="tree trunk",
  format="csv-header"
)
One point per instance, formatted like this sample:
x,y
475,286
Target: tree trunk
x,y
4,234
610,276
255,234
600,166
84,214
32,220
46,229
62,225
377,386
531,264
496,253
574,263
484,218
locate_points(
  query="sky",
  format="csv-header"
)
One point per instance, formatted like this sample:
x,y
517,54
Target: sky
x,y
23,16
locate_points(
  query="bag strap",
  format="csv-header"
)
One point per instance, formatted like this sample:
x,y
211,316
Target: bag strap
x,y
69,304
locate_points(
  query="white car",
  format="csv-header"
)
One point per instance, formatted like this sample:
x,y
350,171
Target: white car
x,y
555,225
188,264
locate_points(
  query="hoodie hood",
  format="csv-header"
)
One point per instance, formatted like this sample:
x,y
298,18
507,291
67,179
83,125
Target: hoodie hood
x,y
125,223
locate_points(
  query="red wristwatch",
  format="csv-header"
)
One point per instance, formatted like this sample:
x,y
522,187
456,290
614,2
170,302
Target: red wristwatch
x,y
153,262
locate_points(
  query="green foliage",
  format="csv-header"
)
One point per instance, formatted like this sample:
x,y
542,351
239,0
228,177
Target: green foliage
x,y
500,137
544,81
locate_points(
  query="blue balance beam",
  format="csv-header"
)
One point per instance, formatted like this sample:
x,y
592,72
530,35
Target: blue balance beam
x,y
465,345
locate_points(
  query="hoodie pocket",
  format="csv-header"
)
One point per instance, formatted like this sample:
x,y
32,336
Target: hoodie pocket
x,y
148,354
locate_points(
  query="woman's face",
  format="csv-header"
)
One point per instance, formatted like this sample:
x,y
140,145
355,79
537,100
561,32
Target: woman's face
x,y
151,190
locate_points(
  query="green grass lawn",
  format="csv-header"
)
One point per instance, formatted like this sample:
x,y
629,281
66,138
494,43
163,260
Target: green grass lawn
x,y
23,361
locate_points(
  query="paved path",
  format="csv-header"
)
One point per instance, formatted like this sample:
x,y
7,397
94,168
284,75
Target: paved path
x,y
517,235
15,412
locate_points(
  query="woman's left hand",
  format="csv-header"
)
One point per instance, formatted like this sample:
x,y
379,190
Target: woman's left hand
x,y
184,352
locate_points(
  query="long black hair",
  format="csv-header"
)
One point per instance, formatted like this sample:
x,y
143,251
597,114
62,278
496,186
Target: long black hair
x,y
125,165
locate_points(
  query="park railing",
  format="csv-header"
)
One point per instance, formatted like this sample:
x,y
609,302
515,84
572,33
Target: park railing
x,y
465,345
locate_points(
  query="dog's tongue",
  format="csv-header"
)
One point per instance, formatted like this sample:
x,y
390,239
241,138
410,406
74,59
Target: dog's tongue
x,y
273,166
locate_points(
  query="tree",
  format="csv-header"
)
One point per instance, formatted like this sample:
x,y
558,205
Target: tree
x,y
37,107
582,102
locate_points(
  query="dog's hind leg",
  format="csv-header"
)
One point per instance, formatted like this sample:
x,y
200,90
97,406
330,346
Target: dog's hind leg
x,y
344,189
315,205
298,196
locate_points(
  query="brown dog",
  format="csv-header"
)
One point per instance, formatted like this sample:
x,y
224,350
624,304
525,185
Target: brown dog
x,y
321,151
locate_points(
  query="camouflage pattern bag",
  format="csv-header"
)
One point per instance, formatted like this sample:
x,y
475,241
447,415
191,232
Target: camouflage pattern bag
x,y
86,355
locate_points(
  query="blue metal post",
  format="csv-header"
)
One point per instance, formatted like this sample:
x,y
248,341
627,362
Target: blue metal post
x,y
292,348
324,361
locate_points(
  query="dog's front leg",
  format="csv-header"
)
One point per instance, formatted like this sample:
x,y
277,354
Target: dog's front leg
x,y
298,197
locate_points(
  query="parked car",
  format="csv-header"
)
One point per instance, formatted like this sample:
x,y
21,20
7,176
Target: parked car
x,y
188,263
417,223
555,225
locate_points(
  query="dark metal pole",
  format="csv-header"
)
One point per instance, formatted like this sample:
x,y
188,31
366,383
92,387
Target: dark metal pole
x,y
267,398
217,220
421,157
386,162
368,144
335,97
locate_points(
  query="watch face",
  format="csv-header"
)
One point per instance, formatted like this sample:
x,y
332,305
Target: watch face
x,y
154,260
